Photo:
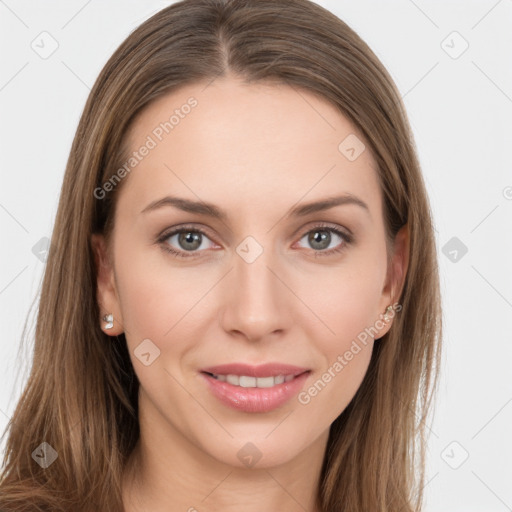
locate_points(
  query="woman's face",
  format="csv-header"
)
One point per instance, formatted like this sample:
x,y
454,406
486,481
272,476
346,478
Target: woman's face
x,y
259,277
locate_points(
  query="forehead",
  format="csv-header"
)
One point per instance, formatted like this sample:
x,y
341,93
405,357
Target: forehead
x,y
245,147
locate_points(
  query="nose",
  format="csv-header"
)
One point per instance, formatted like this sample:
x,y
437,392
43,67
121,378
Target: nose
x,y
257,301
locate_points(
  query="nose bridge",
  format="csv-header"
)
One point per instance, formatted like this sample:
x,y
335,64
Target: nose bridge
x,y
257,302
254,281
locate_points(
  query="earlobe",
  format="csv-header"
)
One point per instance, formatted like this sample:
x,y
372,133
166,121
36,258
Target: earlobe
x,y
106,294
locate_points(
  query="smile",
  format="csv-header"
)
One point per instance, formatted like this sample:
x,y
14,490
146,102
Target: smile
x,y
254,394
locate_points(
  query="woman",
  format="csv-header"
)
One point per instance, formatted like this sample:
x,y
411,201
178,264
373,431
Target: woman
x,y
241,302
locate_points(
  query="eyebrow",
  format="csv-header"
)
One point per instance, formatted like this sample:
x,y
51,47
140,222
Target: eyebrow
x,y
209,209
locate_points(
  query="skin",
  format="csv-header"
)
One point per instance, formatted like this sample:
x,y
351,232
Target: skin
x,y
255,151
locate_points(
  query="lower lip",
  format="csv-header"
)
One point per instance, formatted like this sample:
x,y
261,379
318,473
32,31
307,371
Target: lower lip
x,y
255,399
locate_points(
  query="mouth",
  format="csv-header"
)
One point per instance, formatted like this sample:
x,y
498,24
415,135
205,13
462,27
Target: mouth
x,y
255,389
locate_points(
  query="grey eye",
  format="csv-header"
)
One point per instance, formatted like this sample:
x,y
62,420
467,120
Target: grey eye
x,y
188,240
320,239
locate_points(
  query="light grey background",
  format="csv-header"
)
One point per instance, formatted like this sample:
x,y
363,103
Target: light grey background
x,y
460,108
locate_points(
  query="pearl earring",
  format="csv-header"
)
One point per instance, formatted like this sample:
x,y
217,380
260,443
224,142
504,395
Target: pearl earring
x,y
386,314
109,319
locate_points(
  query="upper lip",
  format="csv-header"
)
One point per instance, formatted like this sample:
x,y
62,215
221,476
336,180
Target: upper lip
x,y
262,370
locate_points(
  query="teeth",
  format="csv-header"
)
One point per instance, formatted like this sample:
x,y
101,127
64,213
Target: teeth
x,y
233,379
245,381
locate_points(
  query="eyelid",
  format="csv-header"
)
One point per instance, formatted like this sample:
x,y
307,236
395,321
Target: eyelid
x,y
166,233
319,224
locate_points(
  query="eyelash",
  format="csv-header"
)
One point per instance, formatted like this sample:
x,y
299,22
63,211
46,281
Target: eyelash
x,y
347,240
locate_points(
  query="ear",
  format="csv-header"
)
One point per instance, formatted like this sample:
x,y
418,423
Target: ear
x,y
395,279
106,294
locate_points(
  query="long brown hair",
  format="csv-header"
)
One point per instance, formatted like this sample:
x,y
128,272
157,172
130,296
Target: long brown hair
x,y
81,395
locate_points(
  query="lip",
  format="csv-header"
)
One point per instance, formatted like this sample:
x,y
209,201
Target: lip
x,y
262,370
255,400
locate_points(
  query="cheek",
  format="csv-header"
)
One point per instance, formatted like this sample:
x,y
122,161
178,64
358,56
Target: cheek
x,y
345,300
157,304
154,290
345,353
155,298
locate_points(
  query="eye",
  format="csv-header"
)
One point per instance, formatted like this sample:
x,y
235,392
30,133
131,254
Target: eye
x,y
321,238
189,240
